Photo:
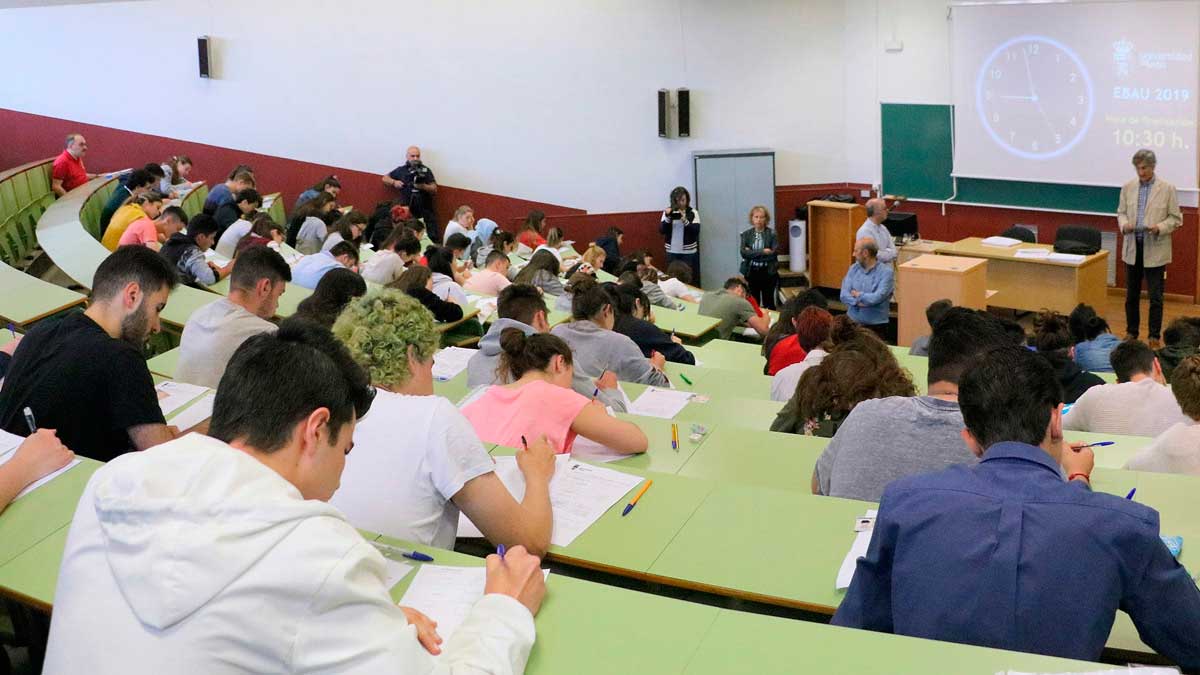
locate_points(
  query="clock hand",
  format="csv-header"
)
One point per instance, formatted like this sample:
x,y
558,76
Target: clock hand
x,y
1021,98
1033,93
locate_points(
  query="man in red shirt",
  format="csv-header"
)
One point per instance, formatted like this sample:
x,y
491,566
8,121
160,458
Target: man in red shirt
x,y
69,172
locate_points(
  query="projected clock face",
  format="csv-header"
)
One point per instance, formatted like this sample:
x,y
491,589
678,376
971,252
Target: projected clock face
x,y
1034,97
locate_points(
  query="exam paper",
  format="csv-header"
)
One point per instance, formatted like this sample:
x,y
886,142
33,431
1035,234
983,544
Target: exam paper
x,y
1003,242
659,402
174,395
590,451
1035,253
1073,258
215,258
5,456
446,594
579,495
449,362
195,413
861,541
9,441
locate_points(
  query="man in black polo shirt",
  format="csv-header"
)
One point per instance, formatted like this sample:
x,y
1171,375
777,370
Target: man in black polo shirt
x,y
84,375
417,186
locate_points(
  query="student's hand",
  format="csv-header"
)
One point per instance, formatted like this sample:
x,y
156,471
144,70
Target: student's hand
x,y
537,463
174,431
658,360
607,380
1078,459
517,575
40,454
426,630
10,347
676,339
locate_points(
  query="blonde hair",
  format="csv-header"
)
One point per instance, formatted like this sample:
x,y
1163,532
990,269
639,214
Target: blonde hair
x,y
378,329
593,254
760,207
554,237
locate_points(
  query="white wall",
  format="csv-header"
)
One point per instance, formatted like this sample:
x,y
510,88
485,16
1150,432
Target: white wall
x,y
551,101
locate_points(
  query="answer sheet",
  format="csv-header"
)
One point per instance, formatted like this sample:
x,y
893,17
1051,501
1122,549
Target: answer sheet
x,y
861,541
393,561
449,362
195,413
173,395
446,594
8,454
579,495
659,402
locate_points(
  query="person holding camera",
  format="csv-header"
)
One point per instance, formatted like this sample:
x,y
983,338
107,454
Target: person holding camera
x,y
416,185
680,227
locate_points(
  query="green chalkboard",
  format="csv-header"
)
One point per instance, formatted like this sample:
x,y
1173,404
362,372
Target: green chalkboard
x,y
918,159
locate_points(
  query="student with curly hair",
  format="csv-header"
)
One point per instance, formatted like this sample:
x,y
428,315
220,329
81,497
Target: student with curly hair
x,y
1052,338
412,485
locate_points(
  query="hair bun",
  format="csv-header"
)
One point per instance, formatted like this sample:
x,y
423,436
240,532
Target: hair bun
x,y
512,341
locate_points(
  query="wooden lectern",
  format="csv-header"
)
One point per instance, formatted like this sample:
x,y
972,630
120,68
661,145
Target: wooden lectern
x,y
928,278
831,230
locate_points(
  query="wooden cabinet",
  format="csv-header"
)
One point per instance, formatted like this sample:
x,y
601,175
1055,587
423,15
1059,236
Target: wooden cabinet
x,y
831,230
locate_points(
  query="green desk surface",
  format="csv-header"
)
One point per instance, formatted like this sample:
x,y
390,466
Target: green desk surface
x,y
453,389
27,299
32,576
729,411
738,642
684,324
1109,378
63,237
585,627
730,355
763,458
1111,456
717,383
918,367
183,302
35,516
659,457
165,363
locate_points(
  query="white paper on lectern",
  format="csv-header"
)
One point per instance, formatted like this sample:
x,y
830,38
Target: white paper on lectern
x,y
1032,253
857,550
579,495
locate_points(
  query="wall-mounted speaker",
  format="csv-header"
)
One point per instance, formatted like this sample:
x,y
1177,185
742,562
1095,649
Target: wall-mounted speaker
x,y
202,47
683,102
664,102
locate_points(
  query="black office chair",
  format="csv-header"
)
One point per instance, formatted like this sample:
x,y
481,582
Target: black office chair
x,y
1080,238
1022,233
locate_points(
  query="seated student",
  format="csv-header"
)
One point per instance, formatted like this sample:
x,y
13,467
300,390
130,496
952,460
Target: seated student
x,y
481,239
463,223
785,326
611,244
498,241
6,352
648,278
542,272
538,400
214,332
153,233
460,245
241,178
888,438
733,309
264,231
84,375
813,327
563,302
307,229
493,278
1180,340
135,183
335,290
144,231
1139,404
1175,449
633,313
417,282
1052,339
518,306
858,369
1093,341
329,184
175,176
308,271
144,206
229,237
554,242
347,228
243,207
788,349
38,455
594,256
411,485
970,553
934,312
186,253
530,235
675,282
446,284
396,253
598,349
277,580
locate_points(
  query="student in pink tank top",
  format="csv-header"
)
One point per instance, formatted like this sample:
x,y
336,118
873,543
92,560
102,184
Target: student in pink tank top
x,y
540,400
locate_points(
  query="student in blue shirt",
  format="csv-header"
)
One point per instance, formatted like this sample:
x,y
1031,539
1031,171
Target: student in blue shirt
x,y
867,287
1017,552
1093,340
311,268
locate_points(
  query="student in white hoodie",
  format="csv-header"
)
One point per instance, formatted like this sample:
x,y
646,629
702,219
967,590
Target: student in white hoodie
x,y
1176,450
214,332
220,554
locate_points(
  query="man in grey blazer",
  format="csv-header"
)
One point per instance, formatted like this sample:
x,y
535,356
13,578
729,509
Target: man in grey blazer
x,y
1147,214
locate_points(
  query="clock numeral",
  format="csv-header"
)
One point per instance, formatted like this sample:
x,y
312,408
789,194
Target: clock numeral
x,y
989,95
1032,48
1058,58
1079,100
1034,146
1073,77
996,73
1012,135
995,117
1074,122
1058,139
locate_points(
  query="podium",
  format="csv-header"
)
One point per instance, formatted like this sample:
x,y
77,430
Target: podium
x,y
928,278
831,230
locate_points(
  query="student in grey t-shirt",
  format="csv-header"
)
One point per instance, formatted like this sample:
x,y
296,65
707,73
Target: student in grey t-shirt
x,y
889,438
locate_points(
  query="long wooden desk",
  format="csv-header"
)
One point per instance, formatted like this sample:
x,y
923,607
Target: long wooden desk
x,y
1031,284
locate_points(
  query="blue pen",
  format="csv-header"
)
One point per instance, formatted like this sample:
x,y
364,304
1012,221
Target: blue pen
x,y
500,551
1130,495
12,329
404,553
1099,444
